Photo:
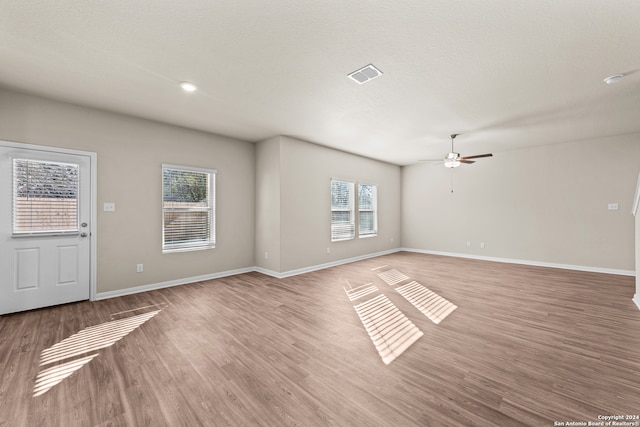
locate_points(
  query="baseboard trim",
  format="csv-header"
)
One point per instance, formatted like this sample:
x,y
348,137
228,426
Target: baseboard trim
x,y
322,266
267,272
526,262
161,285
278,275
636,299
154,286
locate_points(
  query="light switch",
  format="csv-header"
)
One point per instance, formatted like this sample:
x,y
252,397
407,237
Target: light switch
x,y
109,207
613,206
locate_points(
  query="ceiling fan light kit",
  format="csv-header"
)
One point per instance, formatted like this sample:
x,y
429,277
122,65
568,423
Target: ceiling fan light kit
x,y
453,159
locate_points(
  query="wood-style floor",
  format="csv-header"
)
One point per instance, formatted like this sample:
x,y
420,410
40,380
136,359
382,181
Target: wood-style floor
x,y
525,346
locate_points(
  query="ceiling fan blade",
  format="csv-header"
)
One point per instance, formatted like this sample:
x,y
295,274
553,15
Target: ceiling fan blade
x,y
430,160
468,162
476,156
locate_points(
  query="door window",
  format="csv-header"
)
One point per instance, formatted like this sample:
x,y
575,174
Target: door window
x,y
45,197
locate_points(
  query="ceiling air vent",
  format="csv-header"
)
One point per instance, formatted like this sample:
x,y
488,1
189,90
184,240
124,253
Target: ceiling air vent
x,y
365,74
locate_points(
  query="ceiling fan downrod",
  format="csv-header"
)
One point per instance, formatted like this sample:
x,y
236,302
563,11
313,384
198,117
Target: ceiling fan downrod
x,y
453,136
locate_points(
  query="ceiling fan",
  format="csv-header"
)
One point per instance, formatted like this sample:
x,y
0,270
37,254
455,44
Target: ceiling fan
x,y
453,159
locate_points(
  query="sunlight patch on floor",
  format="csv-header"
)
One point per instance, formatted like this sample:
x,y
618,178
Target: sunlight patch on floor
x,y
389,329
360,291
428,302
50,377
392,277
73,350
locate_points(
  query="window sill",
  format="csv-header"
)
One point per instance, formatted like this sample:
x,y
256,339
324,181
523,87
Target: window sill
x,y
186,249
342,240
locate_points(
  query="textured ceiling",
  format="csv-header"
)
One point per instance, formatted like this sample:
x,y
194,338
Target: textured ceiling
x,y
506,74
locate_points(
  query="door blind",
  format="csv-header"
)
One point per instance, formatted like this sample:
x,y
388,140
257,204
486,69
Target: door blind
x,y
45,197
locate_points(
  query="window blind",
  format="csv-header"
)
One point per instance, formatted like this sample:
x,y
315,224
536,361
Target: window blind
x,y
45,197
367,210
188,208
342,210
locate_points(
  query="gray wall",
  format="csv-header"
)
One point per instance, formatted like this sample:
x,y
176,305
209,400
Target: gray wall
x,y
305,171
267,254
130,154
544,204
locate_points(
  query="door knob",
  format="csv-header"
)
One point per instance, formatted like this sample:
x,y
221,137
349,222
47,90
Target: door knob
x,y
83,234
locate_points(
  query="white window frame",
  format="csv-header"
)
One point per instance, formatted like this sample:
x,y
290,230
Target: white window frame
x,y
337,228
374,209
210,243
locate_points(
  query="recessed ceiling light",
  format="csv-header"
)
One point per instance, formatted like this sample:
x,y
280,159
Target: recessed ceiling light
x,y
365,74
613,79
188,87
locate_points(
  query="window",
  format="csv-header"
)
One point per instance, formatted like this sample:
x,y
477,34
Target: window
x,y
188,208
342,215
367,210
45,197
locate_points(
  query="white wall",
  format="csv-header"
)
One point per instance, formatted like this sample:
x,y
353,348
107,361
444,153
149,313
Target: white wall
x,y
305,218
547,204
130,154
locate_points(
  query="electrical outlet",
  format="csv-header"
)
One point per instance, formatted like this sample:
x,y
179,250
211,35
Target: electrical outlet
x,y
109,207
481,245
266,255
468,243
139,268
613,206
328,250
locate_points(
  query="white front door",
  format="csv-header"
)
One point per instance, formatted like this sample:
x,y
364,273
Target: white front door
x,y
45,238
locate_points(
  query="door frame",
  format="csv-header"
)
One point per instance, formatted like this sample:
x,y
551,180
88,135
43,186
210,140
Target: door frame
x,y
93,163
